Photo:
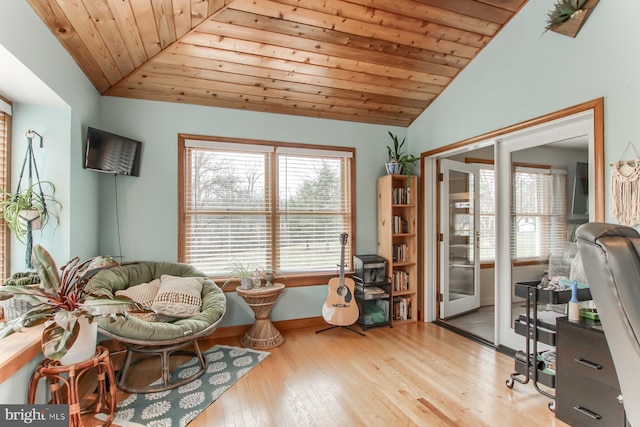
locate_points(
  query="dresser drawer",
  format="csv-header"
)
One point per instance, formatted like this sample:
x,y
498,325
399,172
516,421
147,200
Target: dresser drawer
x,y
585,352
583,402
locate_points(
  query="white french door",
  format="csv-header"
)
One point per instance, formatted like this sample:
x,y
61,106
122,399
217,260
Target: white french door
x,y
460,243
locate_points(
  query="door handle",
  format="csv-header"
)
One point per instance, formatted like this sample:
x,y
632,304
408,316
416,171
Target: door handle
x,y
478,239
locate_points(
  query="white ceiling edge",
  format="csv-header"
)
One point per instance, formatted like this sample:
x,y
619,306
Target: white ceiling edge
x,y
19,84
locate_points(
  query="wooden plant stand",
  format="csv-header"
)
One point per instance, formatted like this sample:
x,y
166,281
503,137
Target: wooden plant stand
x,y
69,376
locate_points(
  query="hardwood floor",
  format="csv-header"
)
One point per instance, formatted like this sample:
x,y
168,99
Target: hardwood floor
x,y
410,375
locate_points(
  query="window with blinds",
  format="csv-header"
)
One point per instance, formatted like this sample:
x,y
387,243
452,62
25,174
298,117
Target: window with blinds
x,y
5,118
487,188
279,207
538,213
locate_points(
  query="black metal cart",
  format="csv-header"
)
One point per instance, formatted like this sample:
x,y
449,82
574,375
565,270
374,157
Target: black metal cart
x,y
526,362
373,291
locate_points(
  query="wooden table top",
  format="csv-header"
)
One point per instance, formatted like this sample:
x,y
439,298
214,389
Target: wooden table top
x,y
262,290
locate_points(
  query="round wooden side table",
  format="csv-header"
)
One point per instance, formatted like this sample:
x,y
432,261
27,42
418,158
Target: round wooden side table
x,y
263,334
69,376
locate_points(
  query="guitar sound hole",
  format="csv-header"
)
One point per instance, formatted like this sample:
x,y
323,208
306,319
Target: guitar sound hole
x,y
342,290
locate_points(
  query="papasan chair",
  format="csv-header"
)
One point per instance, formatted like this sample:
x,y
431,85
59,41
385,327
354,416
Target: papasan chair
x,y
163,334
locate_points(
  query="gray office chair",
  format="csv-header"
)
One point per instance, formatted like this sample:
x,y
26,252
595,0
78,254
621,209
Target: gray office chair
x,y
611,258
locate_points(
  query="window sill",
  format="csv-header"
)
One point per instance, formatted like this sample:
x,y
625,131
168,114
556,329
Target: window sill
x,y
18,349
487,264
291,280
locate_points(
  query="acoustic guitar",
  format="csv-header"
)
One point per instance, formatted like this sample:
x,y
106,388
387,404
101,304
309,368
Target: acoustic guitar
x,y
340,308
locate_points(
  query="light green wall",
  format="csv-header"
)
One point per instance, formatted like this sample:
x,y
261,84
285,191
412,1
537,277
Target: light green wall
x,y
524,74
27,38
52,161
148,205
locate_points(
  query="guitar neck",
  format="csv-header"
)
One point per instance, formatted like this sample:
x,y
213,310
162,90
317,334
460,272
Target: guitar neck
x,y
342,265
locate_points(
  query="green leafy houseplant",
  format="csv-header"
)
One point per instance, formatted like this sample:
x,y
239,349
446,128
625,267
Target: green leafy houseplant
x,y
15,206
62,301
243,272
562,11
398,161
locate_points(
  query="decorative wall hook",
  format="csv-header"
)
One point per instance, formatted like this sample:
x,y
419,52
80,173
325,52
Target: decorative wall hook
x,y
30,135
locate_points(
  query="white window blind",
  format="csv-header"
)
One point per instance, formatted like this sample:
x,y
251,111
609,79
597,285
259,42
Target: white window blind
x,y
314,207
487,190
278,207
4,181
538,213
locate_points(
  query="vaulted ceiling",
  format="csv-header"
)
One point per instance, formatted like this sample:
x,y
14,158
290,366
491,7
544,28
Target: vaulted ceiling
x,y
371,61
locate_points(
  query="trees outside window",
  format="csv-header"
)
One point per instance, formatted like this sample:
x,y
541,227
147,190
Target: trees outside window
x,y
278,206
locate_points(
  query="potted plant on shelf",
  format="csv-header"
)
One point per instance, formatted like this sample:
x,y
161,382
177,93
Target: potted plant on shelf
x,y
30,206
568,16
243,272
71,333
398,161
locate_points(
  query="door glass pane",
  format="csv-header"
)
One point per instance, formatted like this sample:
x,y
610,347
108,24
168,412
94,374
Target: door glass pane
x,y
461,236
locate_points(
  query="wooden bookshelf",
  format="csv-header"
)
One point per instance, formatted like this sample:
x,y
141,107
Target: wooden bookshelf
x,y
398,242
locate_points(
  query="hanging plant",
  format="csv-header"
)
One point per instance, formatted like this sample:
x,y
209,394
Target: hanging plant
x,y
568,16
28,207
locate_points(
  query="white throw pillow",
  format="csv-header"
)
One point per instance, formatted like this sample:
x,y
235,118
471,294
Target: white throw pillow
x,y
179,296
144,293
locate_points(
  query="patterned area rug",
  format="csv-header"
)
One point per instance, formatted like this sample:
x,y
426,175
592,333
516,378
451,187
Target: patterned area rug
x,y
177,407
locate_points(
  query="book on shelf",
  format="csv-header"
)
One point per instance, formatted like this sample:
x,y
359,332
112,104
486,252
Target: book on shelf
x,y
400,225
402,306
400,252
400,280
401,196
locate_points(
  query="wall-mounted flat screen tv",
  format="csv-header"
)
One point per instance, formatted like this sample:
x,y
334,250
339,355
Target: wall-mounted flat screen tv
x,y
111,153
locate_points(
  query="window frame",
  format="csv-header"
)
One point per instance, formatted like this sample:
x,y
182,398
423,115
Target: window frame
x,y
292,280
5,183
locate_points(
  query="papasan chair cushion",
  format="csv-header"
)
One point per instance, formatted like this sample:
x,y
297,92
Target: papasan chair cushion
x,y
108,282
160,338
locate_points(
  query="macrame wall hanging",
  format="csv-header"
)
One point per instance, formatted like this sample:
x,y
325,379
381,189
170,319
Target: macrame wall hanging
x,y
32,222
625,188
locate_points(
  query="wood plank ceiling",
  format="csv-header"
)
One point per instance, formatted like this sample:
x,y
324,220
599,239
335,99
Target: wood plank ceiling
x,y
370,61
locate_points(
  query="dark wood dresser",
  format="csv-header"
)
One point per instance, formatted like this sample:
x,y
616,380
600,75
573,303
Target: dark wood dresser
x,y
587,389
